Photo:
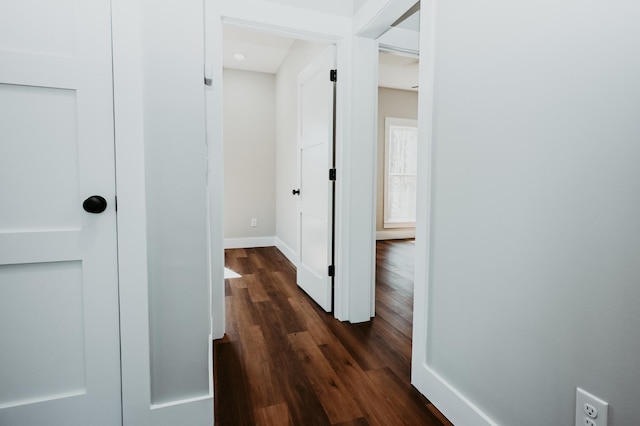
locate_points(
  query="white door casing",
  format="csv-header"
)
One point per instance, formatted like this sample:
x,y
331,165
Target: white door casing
x,y
315,158
59,362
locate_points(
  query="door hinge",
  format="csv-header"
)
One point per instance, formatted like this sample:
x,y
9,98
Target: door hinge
x,y
116,203
332,174
208,74
333,75
332,270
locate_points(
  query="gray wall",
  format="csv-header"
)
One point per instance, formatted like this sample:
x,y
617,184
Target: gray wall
x,y
535,250
398,104
249,154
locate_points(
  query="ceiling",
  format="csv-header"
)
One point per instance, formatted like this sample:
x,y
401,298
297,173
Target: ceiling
x,y
265,52
398,71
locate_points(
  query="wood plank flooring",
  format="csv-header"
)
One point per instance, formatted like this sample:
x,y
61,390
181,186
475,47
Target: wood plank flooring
x,y
284,361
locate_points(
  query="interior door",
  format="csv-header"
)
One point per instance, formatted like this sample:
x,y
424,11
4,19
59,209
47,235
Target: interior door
x,y
59,335
315,157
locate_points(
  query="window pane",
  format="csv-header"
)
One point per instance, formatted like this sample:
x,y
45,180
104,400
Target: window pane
x,y
400,170
403,149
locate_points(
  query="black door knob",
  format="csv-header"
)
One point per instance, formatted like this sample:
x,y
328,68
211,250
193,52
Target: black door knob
x,y
94,204
296,192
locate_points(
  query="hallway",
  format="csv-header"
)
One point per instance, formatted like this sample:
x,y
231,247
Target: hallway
x,y
285,361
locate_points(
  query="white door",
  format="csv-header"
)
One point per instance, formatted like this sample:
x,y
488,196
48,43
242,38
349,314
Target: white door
x,y
59,335
315,156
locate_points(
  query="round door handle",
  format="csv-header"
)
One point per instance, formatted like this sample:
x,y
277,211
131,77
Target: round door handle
x,y
95,204
296,191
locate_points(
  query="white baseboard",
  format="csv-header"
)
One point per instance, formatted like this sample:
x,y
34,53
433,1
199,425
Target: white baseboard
x,y
395,234
449,401
232,243
288,252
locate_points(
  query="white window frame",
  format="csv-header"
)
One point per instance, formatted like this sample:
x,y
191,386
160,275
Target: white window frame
x,y
388,123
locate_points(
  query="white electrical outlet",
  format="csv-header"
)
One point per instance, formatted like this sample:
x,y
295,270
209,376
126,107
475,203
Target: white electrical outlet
x,y
254,222
590,410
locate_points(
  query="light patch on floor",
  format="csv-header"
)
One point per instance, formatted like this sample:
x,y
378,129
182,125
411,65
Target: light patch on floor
x,y
228,273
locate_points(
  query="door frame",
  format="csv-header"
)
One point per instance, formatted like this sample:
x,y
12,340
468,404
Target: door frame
x,y
296,23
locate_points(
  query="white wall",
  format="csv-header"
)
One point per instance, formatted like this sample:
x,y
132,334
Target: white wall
x,y
249,155
286,89
535,238
398,104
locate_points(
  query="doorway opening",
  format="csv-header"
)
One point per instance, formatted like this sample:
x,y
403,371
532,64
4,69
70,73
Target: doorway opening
x,y
396,171
278,109
396,189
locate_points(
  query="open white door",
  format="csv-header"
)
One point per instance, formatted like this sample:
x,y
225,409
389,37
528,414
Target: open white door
x,y
315,159
60,351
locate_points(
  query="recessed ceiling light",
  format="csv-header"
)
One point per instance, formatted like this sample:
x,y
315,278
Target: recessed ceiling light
x,y
239,56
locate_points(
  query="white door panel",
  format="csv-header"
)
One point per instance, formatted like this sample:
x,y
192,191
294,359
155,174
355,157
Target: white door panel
x,y
314,175
41,122
59,363
315,146
314,253
47,298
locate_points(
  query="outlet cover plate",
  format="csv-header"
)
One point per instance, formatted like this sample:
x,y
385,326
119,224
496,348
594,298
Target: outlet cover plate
x,y
602,407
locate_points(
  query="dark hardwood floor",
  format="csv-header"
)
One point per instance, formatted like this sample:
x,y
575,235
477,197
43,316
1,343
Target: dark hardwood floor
x,y
284,361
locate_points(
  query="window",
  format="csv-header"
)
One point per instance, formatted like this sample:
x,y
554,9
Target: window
x,y
401,148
